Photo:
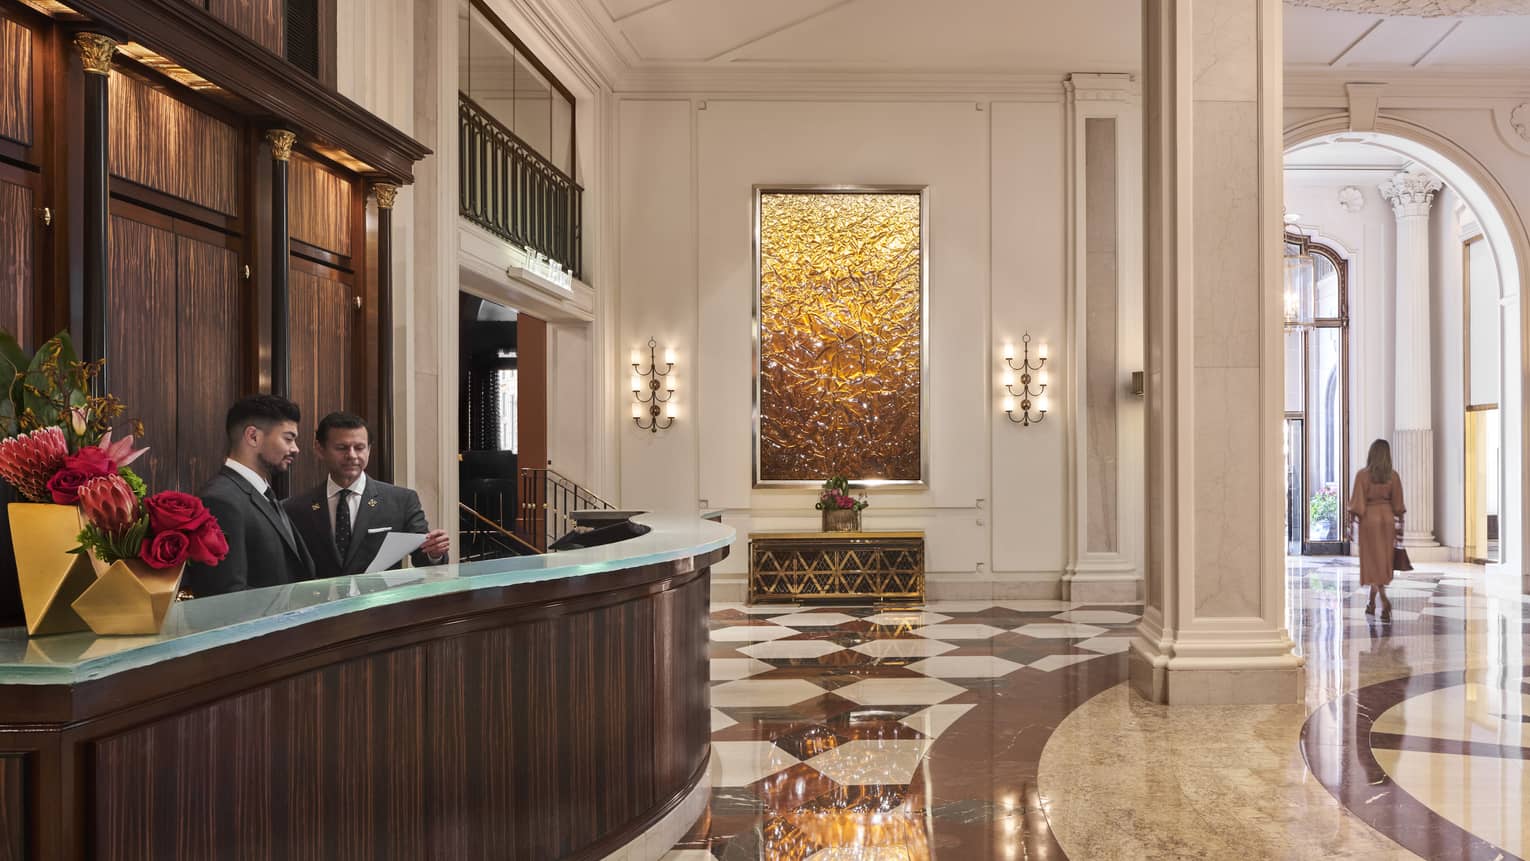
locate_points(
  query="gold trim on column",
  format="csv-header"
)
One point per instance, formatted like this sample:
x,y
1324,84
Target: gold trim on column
x,y
386,193
281,143
96,52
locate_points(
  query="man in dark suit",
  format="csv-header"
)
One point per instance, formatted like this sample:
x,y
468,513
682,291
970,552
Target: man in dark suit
x,y
263,547
345,519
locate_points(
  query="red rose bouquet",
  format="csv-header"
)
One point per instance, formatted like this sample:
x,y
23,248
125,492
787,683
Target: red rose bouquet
x,y
162,531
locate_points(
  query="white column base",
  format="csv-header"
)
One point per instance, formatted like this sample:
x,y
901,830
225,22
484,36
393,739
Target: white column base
x,y
1103,581
1225,662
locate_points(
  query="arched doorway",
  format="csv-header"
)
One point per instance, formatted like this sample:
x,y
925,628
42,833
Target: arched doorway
x,y
1487,516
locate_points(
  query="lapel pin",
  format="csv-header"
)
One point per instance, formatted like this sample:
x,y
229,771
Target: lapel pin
x,y
371,503
316,506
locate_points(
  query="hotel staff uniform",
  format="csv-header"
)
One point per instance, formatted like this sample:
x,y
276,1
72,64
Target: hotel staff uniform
x,y
263,547
346,540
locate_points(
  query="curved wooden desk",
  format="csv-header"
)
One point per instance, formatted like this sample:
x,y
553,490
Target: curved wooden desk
x,y
540,708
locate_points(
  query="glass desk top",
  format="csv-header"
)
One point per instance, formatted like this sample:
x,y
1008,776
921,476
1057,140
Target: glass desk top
x,y
205,623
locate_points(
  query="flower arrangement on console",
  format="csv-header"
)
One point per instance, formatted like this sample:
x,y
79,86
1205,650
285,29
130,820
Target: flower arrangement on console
x,y
162,531
835,495
841,511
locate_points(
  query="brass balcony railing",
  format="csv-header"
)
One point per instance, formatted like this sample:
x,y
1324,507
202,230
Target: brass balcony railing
x,y
548,502
511,191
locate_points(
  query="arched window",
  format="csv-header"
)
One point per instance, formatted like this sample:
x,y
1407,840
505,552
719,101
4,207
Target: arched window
x,y
1317,396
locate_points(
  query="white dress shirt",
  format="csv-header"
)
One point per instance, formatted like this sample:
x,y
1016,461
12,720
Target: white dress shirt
x,y
249,475
332,493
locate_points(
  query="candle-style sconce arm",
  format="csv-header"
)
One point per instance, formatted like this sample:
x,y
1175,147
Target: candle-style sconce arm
x,y
653,398
1032,388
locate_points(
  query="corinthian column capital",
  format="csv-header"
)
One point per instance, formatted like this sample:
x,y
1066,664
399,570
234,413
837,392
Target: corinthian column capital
x,y
1410,192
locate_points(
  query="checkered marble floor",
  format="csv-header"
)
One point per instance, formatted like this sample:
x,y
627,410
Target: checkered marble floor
x,y
881,719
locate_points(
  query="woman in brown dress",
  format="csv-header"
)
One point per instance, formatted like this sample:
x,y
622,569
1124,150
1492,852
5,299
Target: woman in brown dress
x,y
1376,512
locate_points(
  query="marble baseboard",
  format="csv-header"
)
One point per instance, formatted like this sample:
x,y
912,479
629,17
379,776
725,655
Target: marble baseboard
x,y
656,842
1126,591
958,587
1219,687
730,589
1433,553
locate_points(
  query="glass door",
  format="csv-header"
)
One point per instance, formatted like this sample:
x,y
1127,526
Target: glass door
x,y
1316,397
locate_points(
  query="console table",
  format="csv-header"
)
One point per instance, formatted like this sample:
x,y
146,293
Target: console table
x,y
827,566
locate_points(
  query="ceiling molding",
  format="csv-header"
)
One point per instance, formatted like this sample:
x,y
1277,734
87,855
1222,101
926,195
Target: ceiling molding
x,y
777,79
1329,88
1417,8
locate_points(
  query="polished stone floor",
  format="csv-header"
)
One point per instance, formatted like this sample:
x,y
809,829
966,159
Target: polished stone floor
x,y
976,730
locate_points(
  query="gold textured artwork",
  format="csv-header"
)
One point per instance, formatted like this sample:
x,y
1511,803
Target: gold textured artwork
x,y
841,336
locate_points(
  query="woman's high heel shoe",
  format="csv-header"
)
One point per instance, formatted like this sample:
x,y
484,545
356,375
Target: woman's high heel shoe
x,y
1386,613
1370,609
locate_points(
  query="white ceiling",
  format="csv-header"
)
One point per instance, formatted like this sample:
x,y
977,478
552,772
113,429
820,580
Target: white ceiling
x,y
1321,39
1346,152
1010,36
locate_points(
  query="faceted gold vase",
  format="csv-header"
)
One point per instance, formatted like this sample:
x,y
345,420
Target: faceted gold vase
x,y
51,577
129,597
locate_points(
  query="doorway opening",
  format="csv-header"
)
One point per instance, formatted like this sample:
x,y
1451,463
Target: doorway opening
x,y
1351,258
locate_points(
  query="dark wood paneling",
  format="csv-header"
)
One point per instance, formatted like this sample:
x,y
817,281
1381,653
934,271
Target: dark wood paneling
x,y
13,808
15,81
209,351
320,206
142,360
534,740
320,319
160,142
531,395
17,264
264,82
263,21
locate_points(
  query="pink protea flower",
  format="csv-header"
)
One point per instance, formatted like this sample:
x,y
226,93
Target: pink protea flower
x,y
109,504
28,461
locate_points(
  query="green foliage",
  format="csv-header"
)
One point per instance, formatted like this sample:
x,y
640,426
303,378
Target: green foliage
x,y
111,549
1324,506
53,388
134,483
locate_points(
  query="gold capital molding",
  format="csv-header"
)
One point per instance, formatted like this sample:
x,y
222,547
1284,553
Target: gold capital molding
x,y
386,193
281,143
96,52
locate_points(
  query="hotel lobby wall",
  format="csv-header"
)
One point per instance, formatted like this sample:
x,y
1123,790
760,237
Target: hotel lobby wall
x,y
995,504
1469,124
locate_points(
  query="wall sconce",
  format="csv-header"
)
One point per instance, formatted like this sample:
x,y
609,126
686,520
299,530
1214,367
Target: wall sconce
x,y
1028,398
653,399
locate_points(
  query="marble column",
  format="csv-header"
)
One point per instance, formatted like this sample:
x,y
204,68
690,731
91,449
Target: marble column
x,y
1411,193
1213,627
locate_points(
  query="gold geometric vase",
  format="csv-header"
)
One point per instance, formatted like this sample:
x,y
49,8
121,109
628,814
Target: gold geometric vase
x,y
51,577
129,597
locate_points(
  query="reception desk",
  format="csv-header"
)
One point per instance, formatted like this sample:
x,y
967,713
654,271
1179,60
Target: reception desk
x,y
534,708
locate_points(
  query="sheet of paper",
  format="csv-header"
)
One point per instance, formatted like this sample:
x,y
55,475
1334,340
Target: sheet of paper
x,y
395,546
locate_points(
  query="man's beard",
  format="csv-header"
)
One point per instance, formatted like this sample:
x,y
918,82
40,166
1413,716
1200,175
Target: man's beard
x,y
278,466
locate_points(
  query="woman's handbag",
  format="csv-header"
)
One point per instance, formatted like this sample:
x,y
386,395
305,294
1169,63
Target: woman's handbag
x,y
1400,560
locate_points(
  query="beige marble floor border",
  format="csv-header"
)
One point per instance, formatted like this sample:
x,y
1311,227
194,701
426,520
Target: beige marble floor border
x,y
1124,778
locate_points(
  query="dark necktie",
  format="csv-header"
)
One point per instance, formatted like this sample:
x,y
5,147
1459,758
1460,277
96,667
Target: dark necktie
x,y
281,513
343,524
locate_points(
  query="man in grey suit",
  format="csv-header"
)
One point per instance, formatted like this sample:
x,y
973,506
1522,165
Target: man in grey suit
x,y
263,547
345,519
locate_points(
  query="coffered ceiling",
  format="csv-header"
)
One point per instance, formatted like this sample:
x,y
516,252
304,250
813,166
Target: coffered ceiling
x,y
1318,39
1009,36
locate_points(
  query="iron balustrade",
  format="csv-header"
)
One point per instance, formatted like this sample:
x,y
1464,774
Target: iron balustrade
x,y
548,503
516,194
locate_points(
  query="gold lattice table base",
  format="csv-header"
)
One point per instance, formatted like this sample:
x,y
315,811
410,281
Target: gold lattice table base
x,y
836,566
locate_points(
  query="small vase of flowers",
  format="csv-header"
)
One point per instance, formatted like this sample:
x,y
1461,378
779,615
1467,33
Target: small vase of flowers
x,y
841,511
139,546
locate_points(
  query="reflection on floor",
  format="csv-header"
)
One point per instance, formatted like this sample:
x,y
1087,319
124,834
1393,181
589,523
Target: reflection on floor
x,y
976,730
